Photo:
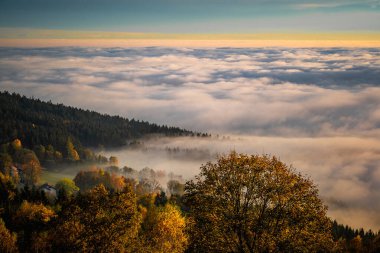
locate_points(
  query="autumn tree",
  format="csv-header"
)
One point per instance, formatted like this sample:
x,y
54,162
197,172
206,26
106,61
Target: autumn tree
x,y
147,174
31,168
255,204
163,228
5,162
40,151
129,172
16,144
66,188
356,244
8,192
8,239
34,215
175,187
147,186
98,221
114,161
72,153
87,180
30,219
147,182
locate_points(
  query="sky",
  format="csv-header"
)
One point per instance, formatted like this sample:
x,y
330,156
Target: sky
x,y
193,16
315,108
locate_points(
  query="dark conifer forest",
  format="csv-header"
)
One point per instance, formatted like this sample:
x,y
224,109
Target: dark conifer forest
x,y
35,122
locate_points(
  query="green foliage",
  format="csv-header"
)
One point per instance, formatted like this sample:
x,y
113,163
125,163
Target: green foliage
x,y
66,186
255,204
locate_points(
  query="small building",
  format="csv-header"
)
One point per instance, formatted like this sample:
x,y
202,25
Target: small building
x,y
50,191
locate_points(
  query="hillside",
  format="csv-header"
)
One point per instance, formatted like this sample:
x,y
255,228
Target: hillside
x,y
35,122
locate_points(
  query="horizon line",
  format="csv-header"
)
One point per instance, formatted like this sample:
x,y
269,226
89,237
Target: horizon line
x,y
139,43
26,33
23,37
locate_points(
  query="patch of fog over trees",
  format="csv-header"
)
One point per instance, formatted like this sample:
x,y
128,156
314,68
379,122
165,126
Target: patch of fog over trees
x,y
345,168
149,180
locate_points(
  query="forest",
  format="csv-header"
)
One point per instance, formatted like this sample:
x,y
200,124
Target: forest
x,y
239,203
35,122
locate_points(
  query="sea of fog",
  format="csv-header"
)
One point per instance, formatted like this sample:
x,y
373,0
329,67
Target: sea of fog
x,y
318,109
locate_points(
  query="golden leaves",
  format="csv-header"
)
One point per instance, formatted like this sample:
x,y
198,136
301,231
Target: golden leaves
x,y
250,203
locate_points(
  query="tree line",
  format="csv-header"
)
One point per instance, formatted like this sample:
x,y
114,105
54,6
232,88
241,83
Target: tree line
x,y
36,123
240,203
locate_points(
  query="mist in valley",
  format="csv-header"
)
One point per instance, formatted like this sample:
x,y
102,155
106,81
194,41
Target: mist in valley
x,y
317,109
345,169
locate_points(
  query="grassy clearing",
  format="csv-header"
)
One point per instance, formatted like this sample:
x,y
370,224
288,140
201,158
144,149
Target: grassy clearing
x,y
52,177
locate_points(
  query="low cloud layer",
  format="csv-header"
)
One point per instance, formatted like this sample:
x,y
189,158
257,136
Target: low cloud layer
x,y
286,92
318,109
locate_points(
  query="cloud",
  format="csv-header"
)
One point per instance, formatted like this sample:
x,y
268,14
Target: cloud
x,y
334,4
287,92
301,5
318,109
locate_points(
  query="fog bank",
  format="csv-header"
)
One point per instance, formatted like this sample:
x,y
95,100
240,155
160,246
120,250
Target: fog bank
x,y
345,169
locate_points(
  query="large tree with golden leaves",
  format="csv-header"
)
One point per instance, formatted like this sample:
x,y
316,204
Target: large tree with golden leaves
x,y
255,204
98,221
163,230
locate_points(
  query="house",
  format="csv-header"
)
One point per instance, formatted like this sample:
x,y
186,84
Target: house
x,y
50,191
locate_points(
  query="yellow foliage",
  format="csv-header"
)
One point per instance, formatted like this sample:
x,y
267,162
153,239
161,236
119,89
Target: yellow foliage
x,y
357,243
8,239
31,168
98,221
16,144
164,230
71,152
255,203
30,213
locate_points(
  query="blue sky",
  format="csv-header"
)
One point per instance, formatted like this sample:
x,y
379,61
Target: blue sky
x,y
193,16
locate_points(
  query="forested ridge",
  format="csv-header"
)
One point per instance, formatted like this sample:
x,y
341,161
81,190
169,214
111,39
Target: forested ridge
x,y
35,122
